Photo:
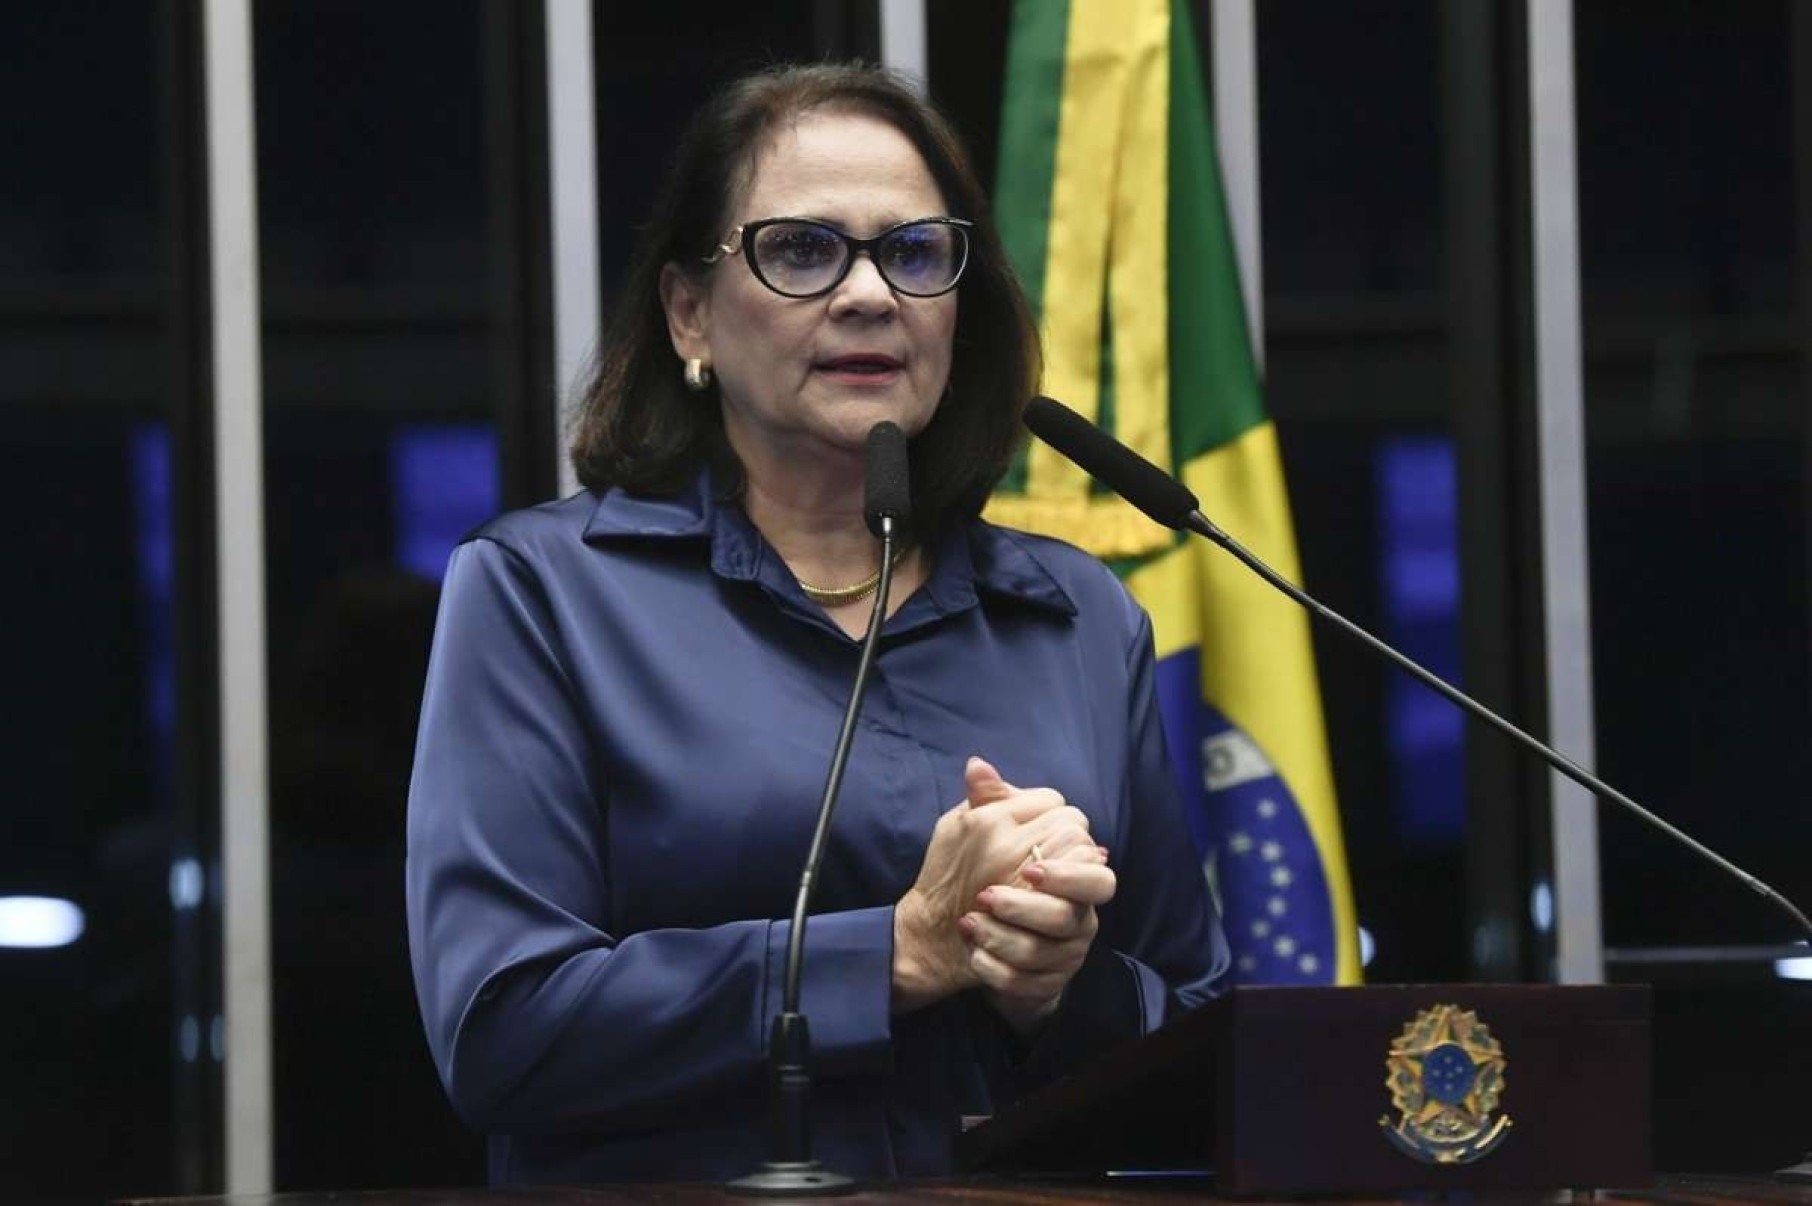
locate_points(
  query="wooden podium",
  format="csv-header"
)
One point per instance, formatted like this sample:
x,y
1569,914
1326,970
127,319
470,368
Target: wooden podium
x,y
1302,1091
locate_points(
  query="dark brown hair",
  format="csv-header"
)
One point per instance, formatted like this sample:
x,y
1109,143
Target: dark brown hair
x,y
638,427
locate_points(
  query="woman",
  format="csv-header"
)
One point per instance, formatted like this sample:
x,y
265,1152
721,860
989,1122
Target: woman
x,y
634,692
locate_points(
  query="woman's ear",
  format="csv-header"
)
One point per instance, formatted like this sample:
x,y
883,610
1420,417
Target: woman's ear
x,y
686,300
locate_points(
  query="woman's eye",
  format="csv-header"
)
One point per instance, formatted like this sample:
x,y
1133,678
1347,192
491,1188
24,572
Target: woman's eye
x,y
907,254
913,252
803,249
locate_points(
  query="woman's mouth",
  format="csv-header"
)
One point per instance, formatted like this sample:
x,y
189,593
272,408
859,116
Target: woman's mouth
x,y
861,368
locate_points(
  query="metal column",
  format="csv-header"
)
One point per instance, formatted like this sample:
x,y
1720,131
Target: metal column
x,y
239,543
573,189
1560,396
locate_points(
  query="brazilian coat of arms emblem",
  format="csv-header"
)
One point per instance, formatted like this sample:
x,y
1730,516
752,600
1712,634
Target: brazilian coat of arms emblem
x,y
1445,1073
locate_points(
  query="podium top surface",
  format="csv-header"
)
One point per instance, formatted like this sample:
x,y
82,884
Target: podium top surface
x,y
1668,1191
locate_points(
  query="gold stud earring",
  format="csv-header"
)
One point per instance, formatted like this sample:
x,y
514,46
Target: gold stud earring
x,y
698,377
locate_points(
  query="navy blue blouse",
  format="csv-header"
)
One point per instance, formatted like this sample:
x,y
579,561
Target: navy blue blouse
x,y
629,712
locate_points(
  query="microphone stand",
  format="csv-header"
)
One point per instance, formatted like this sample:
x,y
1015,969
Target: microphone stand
x,y
1195,521
790,1171
1201,525
1170,503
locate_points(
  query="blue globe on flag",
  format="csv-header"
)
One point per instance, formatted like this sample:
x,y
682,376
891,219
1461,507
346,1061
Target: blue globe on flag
x,y
1254,841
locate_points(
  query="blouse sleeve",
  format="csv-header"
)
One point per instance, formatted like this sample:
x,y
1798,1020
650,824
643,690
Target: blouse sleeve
x,y
1160,950
538,1015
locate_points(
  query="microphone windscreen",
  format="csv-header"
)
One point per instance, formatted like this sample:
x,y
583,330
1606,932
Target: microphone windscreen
x,y
887,491
1116,466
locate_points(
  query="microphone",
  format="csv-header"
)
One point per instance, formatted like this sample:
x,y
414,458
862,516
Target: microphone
x,y
1116,466
1171,504
790,1170
887,486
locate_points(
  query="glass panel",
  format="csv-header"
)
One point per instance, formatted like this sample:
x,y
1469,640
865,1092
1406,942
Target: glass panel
x,y
1696,377
1356,318
102,1026
1695,408
390,214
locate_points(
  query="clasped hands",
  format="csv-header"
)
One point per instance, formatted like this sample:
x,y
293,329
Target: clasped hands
x,y
1005,901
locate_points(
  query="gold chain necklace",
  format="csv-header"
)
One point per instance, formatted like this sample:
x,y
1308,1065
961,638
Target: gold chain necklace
x,y
842,596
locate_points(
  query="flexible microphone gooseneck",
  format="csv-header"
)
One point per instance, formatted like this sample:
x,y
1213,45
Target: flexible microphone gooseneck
x,y
1171,504
790,1170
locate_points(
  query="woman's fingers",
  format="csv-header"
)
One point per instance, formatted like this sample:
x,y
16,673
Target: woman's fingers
x,y
1010,833
982,784
1084,878
1037,804
1060,839
1057,832
1039,913
1022,994
1028,933
997,835
1071,842
1028,950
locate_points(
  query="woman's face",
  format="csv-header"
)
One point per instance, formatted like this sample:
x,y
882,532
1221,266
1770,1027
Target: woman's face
x,y
800,377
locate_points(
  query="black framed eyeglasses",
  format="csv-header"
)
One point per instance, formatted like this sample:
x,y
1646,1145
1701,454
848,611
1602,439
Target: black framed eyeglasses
x,y
797,257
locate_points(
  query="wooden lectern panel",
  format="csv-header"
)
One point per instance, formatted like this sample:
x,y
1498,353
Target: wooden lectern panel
x,y
1285,1091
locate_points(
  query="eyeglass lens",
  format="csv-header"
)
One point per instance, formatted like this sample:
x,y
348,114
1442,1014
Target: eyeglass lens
x,y
804,258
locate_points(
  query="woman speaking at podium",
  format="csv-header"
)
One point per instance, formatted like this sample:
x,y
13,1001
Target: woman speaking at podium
x,y
634,693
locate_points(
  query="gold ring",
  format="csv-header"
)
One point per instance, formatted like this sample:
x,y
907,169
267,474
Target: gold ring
x,y
1037,855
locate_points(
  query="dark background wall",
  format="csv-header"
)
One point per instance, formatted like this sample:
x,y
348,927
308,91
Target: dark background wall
x,y
402,158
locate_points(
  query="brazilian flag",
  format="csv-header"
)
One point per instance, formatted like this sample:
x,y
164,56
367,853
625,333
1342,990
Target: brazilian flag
x,y
1110,201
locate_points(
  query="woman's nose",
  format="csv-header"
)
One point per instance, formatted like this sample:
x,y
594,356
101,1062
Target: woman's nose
x,y
864,288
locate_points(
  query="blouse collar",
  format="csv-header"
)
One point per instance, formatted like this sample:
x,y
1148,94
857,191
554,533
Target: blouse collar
x,y
970,560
